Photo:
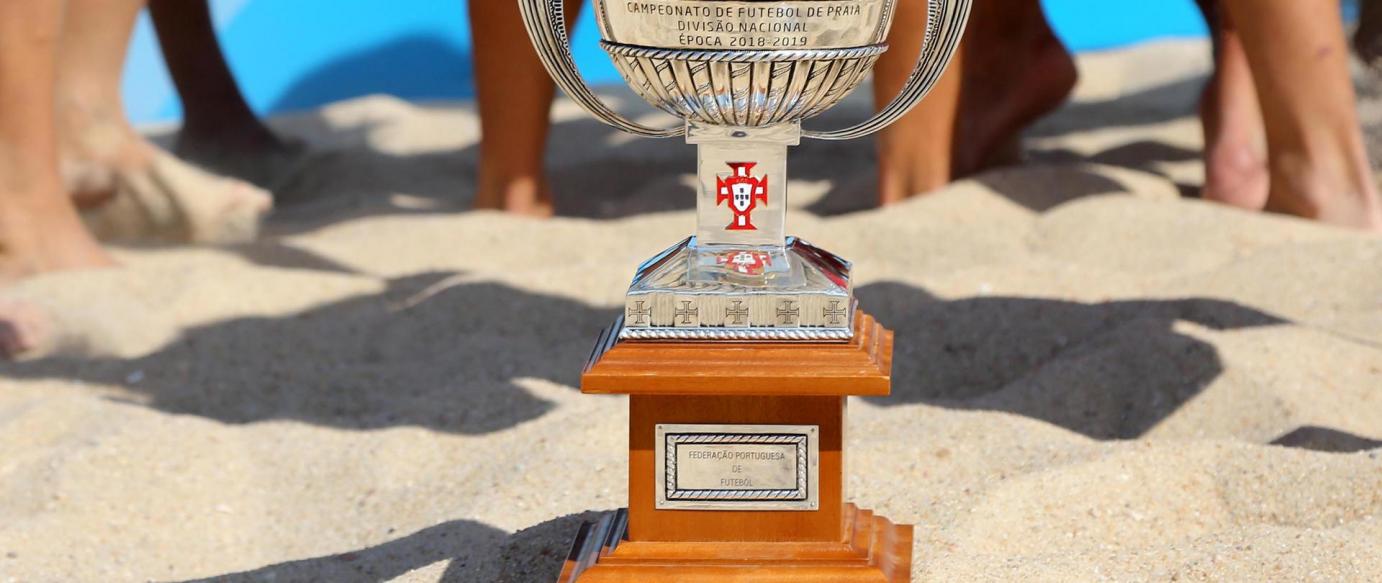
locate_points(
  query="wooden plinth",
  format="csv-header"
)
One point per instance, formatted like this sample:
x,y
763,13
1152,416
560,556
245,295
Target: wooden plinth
x,y
646,523
748,384
873,550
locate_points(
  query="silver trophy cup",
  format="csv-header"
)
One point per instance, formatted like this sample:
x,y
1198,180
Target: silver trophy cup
x,y
742,75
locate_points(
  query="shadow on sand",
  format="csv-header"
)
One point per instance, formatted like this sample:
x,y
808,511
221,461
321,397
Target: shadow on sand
x,y
469,548
1109,370
434,353
1317,438
445,362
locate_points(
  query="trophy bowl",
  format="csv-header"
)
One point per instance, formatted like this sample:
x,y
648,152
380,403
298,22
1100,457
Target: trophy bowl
x,y
740,76
743,63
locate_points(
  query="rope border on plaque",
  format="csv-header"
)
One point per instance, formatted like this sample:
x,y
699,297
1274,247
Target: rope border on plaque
x,y
801,492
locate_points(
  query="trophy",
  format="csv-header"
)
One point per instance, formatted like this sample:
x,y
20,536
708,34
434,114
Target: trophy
x,y
739,344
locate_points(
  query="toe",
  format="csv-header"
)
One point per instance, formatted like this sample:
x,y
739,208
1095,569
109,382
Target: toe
x,y
23,328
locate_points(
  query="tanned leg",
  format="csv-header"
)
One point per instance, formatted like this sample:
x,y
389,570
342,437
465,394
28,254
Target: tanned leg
x,y
1235,141
1009,71
914,152
514,95
39,228
140,190
1016,71
1316,159
219,131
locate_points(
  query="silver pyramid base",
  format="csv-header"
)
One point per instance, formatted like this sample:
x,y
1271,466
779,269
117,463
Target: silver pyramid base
x,y
794,293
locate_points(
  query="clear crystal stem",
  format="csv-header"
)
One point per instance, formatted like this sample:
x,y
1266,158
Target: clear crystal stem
x,y
743,184
741,278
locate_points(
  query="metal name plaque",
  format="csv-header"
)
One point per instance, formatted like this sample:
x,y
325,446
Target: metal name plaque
x,y
721,25
737,467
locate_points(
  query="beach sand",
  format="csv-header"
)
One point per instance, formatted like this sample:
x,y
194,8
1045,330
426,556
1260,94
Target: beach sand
x,y
1096,378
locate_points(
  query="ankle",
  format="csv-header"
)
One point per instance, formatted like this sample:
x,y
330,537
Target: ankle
x,y
85,108
898,181
1329,189
90,129
520,192
24,175
891,189
1236,173
28,217
34,196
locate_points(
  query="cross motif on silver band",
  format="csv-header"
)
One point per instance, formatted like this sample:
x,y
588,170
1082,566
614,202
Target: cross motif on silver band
x,y
834,314
788,312
639,313
685,312
737,313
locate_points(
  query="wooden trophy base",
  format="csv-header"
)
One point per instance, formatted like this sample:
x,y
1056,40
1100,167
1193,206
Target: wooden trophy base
x,y
738,396
874,550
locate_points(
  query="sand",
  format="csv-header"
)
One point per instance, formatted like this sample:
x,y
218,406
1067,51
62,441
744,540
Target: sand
x,y
1095,378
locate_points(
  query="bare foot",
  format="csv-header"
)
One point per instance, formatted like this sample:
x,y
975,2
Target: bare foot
x,y
1235,140
1328,189
1015,71
24,329
130,189
913,156
520,195
38,234
41,233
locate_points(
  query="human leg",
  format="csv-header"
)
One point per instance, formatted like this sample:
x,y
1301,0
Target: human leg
x,y
514,95
1016,70
135,189
1235,141
1009,71
219,130
914,152
1316,159
39,227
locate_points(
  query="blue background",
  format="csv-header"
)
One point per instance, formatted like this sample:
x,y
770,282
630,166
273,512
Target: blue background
x,y
293,55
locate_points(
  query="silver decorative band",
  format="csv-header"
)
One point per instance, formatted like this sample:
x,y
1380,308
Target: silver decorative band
x,y
738,334
741,56
655,79
811,300
750,88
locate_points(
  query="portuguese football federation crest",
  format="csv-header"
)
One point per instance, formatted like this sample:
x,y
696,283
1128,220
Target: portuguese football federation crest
x,y
745,262
744,192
